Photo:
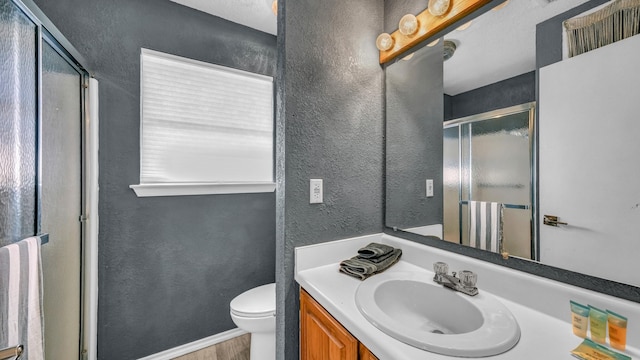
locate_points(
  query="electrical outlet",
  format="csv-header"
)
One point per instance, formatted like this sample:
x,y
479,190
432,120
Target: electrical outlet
x,y
429,187
315,191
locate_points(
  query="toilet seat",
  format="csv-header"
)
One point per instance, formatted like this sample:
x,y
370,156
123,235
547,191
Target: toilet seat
x,y
255,303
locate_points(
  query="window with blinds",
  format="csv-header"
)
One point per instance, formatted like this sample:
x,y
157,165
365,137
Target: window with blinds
x,y
203,124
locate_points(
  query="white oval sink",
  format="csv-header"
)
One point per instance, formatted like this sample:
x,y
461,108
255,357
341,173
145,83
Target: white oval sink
x,y
410,307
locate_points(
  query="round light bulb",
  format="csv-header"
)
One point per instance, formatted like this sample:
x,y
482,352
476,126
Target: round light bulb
x,y
274,7
408,25
438,7
464,26
433,43
384,42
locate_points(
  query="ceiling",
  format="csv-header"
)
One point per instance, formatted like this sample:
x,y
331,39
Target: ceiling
x,y
499,44
255,14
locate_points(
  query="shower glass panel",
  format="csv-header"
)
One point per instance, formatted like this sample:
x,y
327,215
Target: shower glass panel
x,y
18,124
500,159
493,156
61,189
502,173
451,184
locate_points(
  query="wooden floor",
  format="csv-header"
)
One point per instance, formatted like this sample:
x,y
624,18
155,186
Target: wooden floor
x,y
234,349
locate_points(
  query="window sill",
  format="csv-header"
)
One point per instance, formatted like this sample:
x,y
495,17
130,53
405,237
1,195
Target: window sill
x,y
181,189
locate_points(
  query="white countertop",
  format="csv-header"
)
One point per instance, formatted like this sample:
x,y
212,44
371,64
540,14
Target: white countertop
x,y
541,306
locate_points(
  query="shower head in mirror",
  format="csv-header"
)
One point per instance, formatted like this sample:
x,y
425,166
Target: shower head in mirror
x,y
449,49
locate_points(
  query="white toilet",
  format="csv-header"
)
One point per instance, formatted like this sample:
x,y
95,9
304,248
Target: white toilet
x,y
255,311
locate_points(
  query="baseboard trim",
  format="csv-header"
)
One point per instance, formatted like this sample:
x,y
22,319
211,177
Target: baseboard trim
x,y
196,345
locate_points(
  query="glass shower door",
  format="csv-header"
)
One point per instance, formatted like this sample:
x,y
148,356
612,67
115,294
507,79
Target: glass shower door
x,y
61,202
18,124
489,158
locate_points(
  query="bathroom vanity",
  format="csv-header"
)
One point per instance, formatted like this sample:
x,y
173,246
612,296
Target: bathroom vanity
x,y
329,300
322,334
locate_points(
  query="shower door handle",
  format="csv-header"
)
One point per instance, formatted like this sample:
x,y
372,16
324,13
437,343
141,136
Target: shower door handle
x,y
552,220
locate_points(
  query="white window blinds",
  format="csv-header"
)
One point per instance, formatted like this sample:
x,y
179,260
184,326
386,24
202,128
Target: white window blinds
x,y
203,123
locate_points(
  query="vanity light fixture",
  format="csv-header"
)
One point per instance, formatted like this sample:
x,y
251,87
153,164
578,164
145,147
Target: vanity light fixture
x,y
408,25
464,26
384,42
426,25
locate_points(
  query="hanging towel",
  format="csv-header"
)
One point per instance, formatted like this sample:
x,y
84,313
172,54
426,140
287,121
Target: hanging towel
x,y
485,225
371,259
21,298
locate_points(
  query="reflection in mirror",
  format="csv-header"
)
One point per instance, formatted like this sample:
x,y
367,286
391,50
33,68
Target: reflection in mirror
x,y
500,62
414,113
593,186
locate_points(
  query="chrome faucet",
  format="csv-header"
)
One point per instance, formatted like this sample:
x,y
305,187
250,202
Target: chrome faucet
x,y
465,284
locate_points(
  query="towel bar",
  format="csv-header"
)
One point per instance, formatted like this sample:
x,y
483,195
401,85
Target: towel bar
x,y
12,352
44,238
507,206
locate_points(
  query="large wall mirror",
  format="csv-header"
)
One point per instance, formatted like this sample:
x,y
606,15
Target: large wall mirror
x,y
499,139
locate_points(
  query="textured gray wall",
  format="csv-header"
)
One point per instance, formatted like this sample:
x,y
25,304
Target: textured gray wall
x,y
168,266
448,111
514,91
330,115
414,115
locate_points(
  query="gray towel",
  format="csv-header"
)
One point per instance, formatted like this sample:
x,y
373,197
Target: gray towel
x,y
363,268
375,251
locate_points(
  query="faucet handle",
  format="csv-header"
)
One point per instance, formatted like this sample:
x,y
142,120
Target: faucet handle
x,y
468,278
440,268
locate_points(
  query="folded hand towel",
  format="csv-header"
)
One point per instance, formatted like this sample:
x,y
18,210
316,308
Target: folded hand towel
x,y
374,250
363,268
379,259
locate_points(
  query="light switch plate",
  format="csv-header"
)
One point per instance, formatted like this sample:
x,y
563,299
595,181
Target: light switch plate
x,y
315,191
429,187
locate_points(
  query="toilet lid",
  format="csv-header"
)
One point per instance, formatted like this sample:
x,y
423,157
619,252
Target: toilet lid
x,y
256,302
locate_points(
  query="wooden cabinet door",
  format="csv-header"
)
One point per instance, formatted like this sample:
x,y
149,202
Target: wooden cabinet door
x,y
321,336
365,354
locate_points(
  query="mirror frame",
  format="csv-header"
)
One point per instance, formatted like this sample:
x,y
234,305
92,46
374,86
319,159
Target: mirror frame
x,y
589,282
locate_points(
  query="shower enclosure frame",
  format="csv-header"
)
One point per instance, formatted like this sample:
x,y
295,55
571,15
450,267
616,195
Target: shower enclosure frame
x,y
529,107
47,32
